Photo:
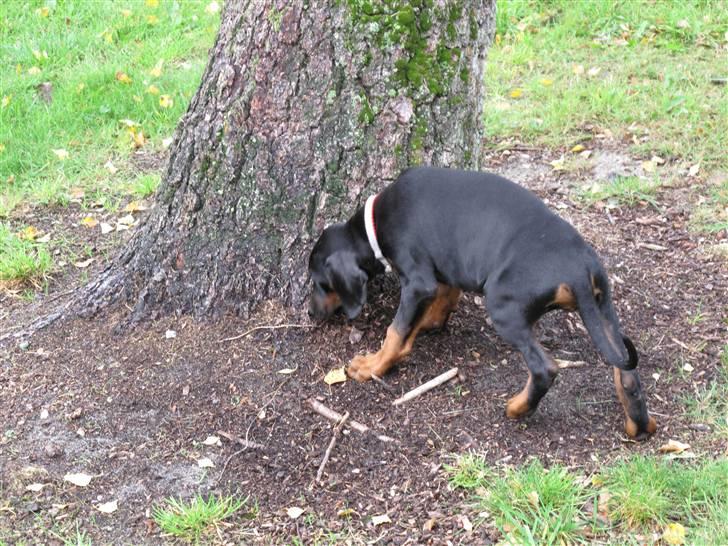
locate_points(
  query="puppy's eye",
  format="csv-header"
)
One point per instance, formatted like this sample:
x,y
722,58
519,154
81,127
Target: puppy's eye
x,y
324,287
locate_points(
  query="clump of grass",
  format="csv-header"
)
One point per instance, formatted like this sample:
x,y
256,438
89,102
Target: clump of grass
x,y
145,185
626,190
22,261
710,405
646,491
190,520
530,505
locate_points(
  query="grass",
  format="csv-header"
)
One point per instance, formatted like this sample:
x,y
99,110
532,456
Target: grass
x,y
22,261
533,505
710,405
190,520
626,190
638,70
86,78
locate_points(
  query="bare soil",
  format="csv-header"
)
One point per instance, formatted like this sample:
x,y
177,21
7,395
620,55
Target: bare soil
x,y
132,408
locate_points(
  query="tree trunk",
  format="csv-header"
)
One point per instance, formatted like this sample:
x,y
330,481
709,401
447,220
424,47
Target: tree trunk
x,y
305,109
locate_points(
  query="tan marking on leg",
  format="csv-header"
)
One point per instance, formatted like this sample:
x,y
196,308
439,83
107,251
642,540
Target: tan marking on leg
x,y
362,367
630,427
518,405
564,297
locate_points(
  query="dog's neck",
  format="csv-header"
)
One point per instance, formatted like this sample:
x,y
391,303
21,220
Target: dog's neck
x,y
364,252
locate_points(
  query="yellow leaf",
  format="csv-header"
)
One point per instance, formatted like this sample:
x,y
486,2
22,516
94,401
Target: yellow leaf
x,y
2,148
165,101
6,101
578,148
90,222
137,137
517,92
126,12
61,153
337,375
107,36
674,534
673,446
578,69
43,12
29,233
558,164
152,19
212,8
18,69
153,90
136,98
648,166
123,77
547,82
135,206
40,54
157,70
533,498
33,70
151,3
80,87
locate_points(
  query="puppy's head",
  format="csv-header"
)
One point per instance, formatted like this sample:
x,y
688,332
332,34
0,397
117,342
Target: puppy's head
x,y
338,281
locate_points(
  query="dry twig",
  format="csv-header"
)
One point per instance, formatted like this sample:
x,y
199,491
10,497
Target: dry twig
x,y
269,327
334,435
335,417
431,384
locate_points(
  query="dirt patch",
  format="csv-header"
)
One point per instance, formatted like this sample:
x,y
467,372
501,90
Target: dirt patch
x,y
133,410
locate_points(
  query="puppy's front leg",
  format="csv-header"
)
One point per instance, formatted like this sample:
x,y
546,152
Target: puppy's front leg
x,y
415,300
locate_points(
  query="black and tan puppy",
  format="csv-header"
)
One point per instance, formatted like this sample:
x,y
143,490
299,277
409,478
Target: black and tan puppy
x,y
444,231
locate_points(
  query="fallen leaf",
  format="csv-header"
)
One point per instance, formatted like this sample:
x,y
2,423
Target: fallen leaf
x,y
157,70
287,371
379,520
674,534
687,367
558,164
43,12
152,19
657,160
294,512
61,153
153,90
35,487
337,375
137,137
578,69
154,4
673,446
170,334
165,101
346,512
128,122
466,523
40,55
594,71
212,8
533,498
205,462
516,93
106,228
547,82
167,142
83,264
109,166
578,148
135,206
212,441
648,166
127,220
123,77
44,239
29,233
694,169
34,70
683,23
90,222
108,507
80,479
6,101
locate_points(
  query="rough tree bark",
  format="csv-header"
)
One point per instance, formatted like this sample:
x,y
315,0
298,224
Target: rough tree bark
x,y
305,108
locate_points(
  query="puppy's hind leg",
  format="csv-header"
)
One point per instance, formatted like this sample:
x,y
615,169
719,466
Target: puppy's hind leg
x,y
510,323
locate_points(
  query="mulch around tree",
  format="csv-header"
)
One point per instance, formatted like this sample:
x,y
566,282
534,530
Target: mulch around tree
x,y
132,409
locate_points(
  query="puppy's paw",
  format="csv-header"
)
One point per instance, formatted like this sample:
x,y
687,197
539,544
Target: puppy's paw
x,y
518,406
362,367
633,430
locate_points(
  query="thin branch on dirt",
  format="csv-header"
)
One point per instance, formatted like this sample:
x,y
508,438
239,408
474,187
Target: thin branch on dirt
x,y
686,347
335,417
38,324
431,384
269,327
383,383
334,436
247,444
565,364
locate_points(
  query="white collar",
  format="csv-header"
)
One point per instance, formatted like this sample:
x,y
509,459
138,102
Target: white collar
x,y
372,232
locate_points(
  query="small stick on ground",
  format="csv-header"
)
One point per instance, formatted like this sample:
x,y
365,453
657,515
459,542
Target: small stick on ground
x,y
335,417
273,327
431,384
334,436
246,444
564,364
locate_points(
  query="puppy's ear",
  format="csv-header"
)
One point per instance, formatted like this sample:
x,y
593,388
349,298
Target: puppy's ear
x,y
348,280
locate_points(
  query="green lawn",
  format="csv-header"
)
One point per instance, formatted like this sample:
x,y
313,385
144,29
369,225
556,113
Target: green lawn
x,y
82,81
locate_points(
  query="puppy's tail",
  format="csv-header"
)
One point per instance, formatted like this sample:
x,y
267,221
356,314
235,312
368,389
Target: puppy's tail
x,y
602,324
